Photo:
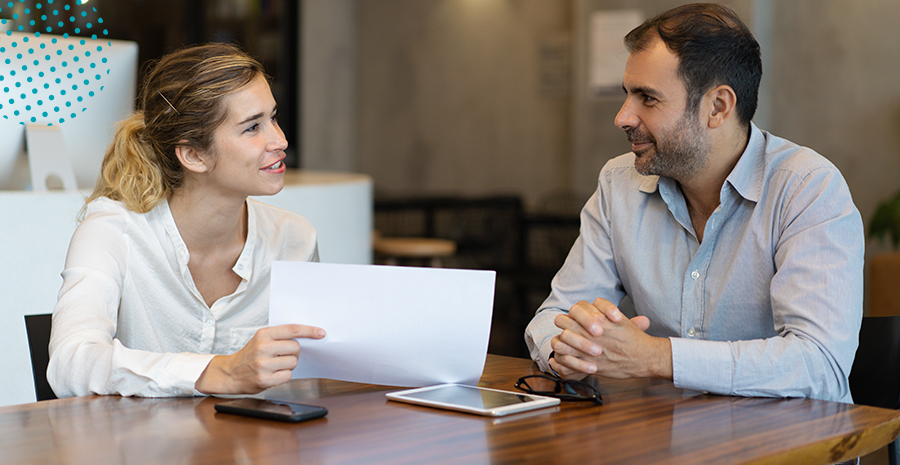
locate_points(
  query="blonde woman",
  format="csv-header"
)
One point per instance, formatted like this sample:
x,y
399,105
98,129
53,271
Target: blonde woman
x,y
166,283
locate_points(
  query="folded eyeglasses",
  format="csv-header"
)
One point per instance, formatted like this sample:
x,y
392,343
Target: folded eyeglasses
x,y
563,389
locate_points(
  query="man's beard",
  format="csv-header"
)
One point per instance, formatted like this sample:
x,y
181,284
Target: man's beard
x,y
680,153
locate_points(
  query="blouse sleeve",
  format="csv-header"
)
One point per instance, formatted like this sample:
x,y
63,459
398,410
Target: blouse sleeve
x,y
85,357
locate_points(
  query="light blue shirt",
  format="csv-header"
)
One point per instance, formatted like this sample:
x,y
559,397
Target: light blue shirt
x,y
769,304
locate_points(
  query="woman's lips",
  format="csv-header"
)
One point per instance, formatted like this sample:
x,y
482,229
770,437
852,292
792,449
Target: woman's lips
x,y
277,166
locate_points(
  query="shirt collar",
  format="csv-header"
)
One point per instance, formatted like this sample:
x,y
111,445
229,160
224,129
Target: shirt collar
x,y
244,265
748,174
181,250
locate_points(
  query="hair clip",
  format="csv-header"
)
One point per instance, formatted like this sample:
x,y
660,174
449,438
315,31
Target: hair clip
x,y
167,101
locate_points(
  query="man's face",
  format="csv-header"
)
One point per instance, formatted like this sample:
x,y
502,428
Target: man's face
x,y
666,140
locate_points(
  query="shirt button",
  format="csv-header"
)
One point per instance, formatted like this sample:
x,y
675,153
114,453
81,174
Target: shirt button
x,y
695,274
209,322
691,332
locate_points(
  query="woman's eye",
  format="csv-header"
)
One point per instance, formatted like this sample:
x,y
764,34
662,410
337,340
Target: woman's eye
x,y
252,128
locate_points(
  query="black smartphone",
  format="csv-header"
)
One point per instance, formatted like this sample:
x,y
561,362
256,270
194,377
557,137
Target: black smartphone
x,y
271,409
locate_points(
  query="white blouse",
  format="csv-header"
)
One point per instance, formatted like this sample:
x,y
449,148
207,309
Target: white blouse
x,y
129,319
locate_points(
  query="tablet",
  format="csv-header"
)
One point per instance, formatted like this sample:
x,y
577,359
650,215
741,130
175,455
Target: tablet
x,y
473,399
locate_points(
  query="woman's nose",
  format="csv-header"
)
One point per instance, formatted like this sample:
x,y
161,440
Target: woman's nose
x,y
278,142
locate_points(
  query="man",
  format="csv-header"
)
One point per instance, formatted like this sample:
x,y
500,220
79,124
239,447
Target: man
x,y
742,252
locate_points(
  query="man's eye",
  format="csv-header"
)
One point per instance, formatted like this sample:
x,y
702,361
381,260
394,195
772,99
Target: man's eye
x,y
649,100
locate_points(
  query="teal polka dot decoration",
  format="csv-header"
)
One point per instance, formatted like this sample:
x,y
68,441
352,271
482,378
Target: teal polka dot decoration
x,y
46,75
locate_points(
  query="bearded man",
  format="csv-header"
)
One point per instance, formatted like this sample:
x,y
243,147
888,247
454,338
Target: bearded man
x,y
741,251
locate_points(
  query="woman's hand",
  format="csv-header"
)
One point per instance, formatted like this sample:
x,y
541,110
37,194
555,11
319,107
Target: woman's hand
x,y
266,361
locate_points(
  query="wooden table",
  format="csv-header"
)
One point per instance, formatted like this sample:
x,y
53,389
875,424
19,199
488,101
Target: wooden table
x,y
641,422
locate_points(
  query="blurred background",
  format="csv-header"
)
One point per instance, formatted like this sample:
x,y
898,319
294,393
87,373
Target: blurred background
x,y
479,120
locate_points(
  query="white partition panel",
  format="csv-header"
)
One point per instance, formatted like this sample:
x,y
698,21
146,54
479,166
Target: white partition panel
x,y
35,229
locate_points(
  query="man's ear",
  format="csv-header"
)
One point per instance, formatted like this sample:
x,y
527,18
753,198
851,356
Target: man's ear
x,y
722,101
192,159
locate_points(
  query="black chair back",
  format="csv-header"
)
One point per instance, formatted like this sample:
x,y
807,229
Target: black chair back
x,y
875,377
38,328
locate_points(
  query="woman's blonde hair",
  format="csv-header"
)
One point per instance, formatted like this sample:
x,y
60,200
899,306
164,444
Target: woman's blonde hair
x,y
180,104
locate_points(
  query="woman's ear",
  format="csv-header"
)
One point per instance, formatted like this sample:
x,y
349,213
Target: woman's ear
x,y
723,101
192,159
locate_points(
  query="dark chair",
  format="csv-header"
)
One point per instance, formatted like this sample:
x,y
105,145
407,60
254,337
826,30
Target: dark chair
x,y
38,328
547,241
875,376
486,230
487,234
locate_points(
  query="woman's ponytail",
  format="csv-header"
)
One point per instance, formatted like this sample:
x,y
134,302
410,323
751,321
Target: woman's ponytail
x,y
131,171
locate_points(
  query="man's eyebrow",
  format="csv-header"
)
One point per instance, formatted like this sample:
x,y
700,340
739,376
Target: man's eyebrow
x,y
650,92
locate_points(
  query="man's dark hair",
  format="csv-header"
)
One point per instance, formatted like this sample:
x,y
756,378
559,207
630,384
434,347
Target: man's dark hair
x,y
714,47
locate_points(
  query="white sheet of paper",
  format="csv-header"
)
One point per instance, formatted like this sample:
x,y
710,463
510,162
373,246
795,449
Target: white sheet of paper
x,y
388,325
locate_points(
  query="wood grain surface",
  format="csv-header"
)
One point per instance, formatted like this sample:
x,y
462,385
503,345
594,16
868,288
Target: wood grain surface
x,y
641,422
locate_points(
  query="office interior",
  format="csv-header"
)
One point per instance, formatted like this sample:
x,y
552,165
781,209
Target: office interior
x,y
441,101
490,99
479,97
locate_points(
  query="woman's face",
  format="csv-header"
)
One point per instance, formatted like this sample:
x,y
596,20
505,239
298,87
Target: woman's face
x,y
247,152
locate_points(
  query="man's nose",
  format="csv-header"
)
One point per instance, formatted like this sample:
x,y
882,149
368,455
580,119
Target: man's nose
x,y
626,118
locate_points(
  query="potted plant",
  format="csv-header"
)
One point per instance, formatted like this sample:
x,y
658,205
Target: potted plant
x,y
884,271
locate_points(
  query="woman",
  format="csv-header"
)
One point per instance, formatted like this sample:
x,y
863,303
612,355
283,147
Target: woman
x,y
166,282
